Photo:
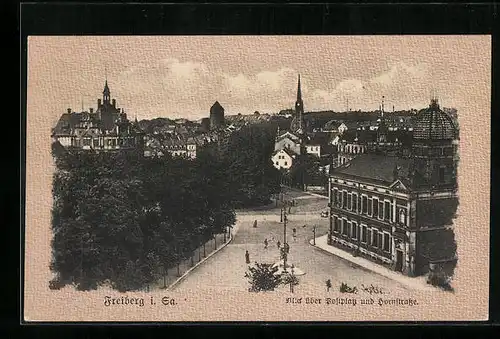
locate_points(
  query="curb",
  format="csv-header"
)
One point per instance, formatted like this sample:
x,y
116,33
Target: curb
x,y
310,193
176,282
422,288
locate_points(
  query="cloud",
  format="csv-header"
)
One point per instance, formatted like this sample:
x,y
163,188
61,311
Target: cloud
x,y
262,82
399,73
173,87
402,85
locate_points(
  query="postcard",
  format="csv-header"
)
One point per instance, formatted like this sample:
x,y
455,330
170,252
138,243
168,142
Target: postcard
x,y
257,178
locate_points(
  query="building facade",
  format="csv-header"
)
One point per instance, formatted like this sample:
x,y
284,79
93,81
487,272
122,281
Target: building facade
x,y
283,159
107,129
398,211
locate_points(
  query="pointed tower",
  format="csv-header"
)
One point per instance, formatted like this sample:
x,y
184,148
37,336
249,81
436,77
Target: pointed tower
x,y
106,94
298,125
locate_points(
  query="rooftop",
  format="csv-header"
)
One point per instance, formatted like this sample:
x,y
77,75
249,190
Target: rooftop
x,y
433,123
377,167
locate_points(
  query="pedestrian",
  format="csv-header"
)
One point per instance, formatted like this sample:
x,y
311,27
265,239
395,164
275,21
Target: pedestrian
x,y
247,257
328,285
265,243
279,244
255,223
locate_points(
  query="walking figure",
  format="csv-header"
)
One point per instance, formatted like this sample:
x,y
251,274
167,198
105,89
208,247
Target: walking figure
x,y
279,244
247,257
328,285
294,234
255,223
265,243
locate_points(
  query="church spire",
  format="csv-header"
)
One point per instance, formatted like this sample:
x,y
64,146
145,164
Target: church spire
x,y
298,122
299,91
106,93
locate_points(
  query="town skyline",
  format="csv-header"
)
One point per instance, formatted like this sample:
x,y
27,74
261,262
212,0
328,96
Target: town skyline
x,y
159,76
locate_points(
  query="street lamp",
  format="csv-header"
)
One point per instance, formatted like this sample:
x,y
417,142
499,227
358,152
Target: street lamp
x,y
286,246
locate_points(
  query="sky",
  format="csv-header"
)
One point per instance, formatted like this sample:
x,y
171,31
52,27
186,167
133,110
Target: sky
x,y
182,76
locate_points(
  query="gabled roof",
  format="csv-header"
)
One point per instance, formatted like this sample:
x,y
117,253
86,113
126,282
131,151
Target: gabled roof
x,y
399,185
288,134
331,125
290,153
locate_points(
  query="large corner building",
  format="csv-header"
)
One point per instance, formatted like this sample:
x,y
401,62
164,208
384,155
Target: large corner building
x,y
106,129
398,211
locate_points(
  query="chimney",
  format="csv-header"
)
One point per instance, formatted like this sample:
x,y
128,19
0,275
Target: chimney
x,y
114,102
395,172
69,110
91,110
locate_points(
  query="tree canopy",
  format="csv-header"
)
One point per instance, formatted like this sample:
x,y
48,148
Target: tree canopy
x,y
121,219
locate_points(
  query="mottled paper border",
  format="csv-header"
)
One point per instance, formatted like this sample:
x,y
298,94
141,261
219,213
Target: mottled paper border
x,y
471,280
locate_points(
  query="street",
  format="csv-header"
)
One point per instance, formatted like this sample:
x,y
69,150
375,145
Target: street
x,y
226,269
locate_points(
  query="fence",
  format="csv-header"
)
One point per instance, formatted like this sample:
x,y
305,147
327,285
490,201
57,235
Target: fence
x,y
198,255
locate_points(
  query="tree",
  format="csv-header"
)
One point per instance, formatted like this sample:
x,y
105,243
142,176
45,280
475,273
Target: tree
x,y
247,158
291,280
263,277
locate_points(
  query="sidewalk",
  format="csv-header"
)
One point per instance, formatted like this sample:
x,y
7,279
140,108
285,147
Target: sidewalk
x,y
417,283
188,270
306,192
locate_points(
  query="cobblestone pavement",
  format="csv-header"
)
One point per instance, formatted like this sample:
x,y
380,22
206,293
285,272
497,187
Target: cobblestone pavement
x,y
226,269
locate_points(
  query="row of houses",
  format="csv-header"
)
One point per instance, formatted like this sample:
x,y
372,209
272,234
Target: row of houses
x,y
109,129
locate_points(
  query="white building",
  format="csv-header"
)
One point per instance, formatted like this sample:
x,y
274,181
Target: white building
x,y
283,159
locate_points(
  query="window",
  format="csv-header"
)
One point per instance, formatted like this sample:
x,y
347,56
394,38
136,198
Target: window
x,y
335,224
375,207
369,206
369,236
387,215
402,216
355,202
354,232
345,227
364,204
363,234
339,225
380,209
387,242
286,163
335,197
441,174
374,238
277,163
349,206
86,142
344,199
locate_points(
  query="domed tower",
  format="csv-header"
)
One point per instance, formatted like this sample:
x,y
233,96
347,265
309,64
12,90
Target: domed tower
x,y
434,149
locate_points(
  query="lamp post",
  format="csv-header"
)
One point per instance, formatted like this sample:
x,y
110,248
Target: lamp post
x,y
285,245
